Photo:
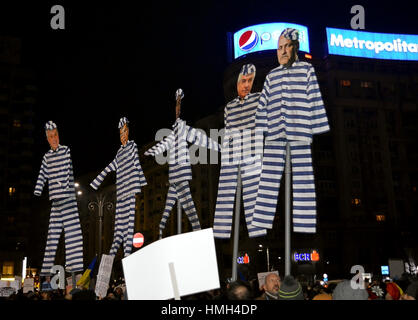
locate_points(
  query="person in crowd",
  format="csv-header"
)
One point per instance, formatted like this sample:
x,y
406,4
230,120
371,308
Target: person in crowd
x,y
290,289
411,292
239,290
344,291
271,287
393,292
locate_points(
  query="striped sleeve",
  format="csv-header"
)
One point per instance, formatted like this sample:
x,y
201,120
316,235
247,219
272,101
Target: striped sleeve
x,y
261,120
99,179
199,138
319,120
68,168
137,164
43,176
226,116
162,146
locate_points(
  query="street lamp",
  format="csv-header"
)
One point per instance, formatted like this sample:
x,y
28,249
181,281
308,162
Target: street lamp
x,y
260,249
100,203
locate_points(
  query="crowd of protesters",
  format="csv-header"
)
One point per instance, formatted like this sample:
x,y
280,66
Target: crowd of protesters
x,y
273,288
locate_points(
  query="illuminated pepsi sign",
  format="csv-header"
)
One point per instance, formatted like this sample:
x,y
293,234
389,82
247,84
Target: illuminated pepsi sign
x,y
372,45
265,36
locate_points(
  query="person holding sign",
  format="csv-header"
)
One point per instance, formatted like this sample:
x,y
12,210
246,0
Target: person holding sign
x,y
180,171
57,169
291,111
129,180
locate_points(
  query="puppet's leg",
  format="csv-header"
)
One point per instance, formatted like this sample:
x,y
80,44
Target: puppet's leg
x,y
249,187
121,223
73,235
169,204
186,200
304,197
128,233
54,233
268,190
224,211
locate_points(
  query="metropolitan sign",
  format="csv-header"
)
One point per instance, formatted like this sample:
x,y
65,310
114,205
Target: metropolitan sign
x,y
372,45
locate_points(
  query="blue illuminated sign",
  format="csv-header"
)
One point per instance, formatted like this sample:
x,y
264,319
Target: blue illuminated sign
x,y
314,256
243,260
385,270
372,45
265,37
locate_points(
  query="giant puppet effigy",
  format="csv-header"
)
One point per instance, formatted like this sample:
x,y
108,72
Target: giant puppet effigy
x,y
180,171
57,169
290,111
238,158
129,180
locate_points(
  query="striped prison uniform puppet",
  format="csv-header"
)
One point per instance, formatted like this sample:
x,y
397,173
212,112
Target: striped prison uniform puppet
x,y
57,169
129,180
290,110
180,171
238,155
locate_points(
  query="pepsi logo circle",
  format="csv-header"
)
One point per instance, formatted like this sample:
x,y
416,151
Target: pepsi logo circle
x,y
248,40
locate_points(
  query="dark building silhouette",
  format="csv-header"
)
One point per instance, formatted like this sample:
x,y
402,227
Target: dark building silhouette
x,y
18,96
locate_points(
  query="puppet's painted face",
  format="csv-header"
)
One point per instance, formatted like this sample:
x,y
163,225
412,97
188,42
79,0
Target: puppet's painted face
x,y
124,134
53,138
286,52
245,85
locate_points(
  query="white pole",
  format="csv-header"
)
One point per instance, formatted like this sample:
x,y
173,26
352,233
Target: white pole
x,y
174,281
287,210
178,216
236,226
24,269
268,259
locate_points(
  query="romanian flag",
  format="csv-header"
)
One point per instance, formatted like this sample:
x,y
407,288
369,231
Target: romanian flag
x,y
85,278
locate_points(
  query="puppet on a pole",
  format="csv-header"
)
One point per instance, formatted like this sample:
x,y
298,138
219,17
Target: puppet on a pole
x,y
129,180
57,169
180,171
289,113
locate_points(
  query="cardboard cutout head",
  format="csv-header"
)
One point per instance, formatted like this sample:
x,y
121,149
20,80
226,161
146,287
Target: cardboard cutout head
x,y
179,97
245,80
123,130
52,136
272,284
288,47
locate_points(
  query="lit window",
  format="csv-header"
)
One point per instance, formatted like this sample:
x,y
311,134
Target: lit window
x,y
12,191
356,202
16,123
366,84
8,268
380,217
345,83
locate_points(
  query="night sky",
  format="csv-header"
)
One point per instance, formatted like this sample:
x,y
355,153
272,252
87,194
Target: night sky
x,y
128,58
